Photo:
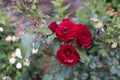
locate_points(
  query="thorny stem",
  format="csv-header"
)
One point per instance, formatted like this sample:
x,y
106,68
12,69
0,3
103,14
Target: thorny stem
x,y
49,34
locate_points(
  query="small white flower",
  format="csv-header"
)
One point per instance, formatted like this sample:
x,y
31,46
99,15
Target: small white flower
x,y
26,62
18,65
18,53
1,29
114,45
12,60
34,51
6,78
8,38
14,38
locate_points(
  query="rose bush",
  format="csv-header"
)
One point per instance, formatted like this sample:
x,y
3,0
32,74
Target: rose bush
x,y
67,31
81,43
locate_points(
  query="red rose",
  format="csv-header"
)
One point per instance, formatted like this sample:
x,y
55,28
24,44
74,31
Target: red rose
x,y
66,30
53,26
67,54
83,36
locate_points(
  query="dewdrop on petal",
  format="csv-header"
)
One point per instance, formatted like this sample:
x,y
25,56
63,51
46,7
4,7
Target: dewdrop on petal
x,y
18,53
114,45
12,60
8,38
1,29
18,65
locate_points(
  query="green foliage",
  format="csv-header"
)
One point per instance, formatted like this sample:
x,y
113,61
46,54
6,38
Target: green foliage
x,y
60,10
3,19
26,41
83,55
47,77
101,61
45,31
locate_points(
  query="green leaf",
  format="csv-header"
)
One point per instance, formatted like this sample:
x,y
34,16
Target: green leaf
x,y
26,41
56,47
66,71
113,70
93,50
45,31
104,53
83,55
56,4
80,14
58,77
66,7
47,77
92,65
84,76
115,3
3,19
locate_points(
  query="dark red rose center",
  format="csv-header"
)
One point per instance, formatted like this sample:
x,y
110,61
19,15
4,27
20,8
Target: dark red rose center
x,y
69,53
66,29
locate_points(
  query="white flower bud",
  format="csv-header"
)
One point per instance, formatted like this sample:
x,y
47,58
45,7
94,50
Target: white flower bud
x,y
12,60
34,51
114,45
8,38
18,65
18,53
1,29
6,78
14,38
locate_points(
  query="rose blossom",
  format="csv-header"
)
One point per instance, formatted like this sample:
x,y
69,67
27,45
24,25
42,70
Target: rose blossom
x,y
83,36
53,26
67,54
66,30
